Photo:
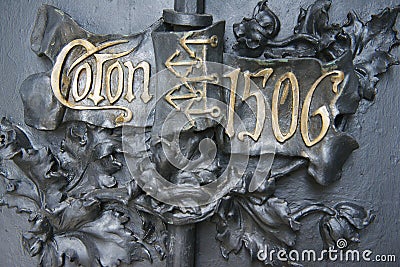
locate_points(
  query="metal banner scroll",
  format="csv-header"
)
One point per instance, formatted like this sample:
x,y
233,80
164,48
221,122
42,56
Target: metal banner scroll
x,y
152,133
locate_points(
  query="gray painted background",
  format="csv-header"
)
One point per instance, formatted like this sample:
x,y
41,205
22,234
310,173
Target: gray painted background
x,y
370,177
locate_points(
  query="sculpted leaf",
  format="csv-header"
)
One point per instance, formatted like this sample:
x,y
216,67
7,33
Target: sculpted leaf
x,y
116,235
348,219
102,242
40,176
12,140
314,20
21,194
75,209
255,226
92,155
374,56
371,43
253,33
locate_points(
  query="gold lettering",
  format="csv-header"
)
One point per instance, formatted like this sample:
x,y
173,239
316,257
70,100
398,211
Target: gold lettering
x,y
260,116
185,41
292,80
337,78
233,76
60,84
96,96
93,76
112,99
145,66
75,84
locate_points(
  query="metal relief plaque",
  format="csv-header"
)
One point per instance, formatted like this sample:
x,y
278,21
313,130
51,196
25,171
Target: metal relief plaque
x,y
155,132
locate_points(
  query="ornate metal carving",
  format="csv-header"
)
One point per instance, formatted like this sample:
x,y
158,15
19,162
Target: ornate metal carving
x,y
89,207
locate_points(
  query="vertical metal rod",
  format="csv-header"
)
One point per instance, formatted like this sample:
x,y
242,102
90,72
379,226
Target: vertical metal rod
x,y
189,6
188,13
182,245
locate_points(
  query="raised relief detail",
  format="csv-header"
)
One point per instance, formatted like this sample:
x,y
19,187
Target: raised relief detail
x,y
136,161
94,81
188,80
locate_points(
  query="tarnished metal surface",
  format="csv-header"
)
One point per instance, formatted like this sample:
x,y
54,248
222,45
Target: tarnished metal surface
x,y
101,194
